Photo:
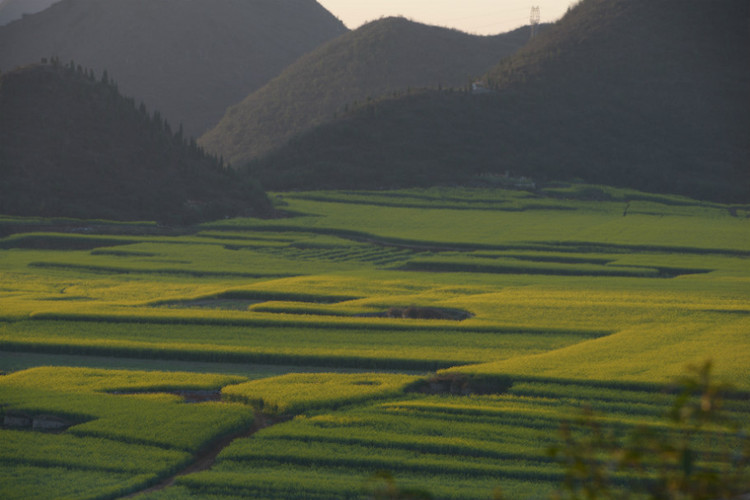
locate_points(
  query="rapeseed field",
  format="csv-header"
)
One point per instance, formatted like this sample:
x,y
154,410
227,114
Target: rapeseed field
x,y
440,334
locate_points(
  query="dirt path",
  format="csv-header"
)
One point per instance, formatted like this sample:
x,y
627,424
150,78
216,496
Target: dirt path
x,y
205,458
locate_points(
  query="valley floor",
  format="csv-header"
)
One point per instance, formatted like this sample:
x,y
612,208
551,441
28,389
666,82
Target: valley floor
x,y
440,334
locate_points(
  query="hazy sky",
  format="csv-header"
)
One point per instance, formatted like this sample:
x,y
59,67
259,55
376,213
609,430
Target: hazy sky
x,y
484,17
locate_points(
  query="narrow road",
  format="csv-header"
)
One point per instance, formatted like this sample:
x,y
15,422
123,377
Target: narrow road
x,y
205,458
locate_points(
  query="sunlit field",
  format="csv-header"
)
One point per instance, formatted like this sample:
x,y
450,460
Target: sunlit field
x,y
439,334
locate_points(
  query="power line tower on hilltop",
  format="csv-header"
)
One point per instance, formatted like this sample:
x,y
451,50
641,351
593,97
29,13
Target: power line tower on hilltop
x,y
534,20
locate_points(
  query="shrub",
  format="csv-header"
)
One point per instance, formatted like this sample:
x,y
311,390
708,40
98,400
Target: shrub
x,y
701,455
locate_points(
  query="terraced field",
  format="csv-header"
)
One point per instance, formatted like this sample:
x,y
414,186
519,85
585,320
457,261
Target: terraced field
x,y
328,323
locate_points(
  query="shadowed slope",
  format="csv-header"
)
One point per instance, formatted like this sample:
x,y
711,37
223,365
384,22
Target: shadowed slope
x,y
10,10
72,146
634,93
385,56
189,59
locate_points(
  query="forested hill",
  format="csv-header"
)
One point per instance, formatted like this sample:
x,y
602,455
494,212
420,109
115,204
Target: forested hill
x,y
188,59
651,94
391,54
72,146
10,10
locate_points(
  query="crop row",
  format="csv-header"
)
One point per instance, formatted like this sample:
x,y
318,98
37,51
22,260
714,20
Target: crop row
x,y
99,244
151,420
421,349
550,257
356,443
97,380
453,199
194,273
44,241
212,353
257,296
86,453
19,481
622,398
546,230
470,434
337,483
189,256
401,443
371,324
552,266
404,200
543,245
275,483
298,308
586,196
527,425
367,254
359,460
475,439
295,393
114,443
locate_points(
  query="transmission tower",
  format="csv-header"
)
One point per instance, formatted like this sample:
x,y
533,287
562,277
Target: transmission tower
x,y
534,20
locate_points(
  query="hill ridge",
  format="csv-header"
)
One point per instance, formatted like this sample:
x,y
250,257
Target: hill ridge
x,y
189,59
72,146
12,10
385,56
620,92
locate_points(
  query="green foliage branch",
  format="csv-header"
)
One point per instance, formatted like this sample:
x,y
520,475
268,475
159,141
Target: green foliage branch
x,y
699,454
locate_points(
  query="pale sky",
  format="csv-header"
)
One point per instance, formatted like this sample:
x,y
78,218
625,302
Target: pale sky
x,y
481,17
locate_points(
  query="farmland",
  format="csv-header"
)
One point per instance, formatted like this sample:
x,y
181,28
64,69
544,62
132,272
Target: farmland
x,y
440,334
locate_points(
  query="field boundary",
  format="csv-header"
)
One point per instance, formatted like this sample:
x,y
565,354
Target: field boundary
x,y
437,246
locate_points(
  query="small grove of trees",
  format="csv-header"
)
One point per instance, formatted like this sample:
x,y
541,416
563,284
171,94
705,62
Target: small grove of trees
x,y
85,133
156,125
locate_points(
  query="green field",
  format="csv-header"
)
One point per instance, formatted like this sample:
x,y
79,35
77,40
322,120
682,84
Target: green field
x,y
329,324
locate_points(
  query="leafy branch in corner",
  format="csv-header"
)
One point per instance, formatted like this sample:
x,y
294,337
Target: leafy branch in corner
x,y
698,453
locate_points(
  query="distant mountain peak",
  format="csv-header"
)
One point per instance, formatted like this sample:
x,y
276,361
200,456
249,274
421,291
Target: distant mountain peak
x,y
647,94
12,10
386,56
189,59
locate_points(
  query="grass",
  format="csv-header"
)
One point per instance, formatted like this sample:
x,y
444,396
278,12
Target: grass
x,y
568,302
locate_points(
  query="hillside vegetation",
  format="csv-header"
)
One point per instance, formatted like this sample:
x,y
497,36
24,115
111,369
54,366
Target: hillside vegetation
x,y
190,60
10,10
633,93
71,145
387,56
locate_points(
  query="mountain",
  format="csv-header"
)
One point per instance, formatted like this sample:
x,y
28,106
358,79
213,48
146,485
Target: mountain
x,y
72,146
649,94
190,59
385,56
10,10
